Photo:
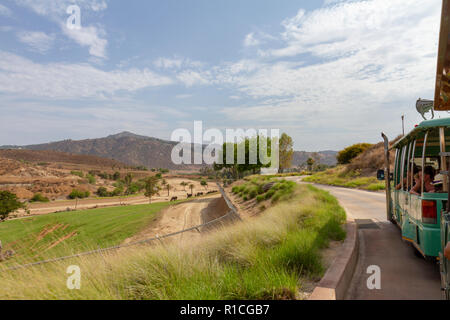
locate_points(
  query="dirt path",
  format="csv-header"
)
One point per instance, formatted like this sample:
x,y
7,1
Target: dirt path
x,y
184,216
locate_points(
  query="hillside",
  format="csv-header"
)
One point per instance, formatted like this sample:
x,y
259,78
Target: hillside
x,y
136,150
58,157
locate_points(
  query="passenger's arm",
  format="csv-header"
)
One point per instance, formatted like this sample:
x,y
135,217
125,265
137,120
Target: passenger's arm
x,y
447,251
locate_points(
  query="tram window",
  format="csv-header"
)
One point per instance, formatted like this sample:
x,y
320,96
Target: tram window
x,y
432,162
396,168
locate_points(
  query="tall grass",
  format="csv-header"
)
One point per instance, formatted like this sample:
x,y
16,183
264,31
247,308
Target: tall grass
x,y
268,257
342,177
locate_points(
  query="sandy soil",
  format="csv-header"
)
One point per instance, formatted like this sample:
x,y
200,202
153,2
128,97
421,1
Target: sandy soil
x,y
184,216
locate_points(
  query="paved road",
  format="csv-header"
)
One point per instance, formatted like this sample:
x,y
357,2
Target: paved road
x,y
404,276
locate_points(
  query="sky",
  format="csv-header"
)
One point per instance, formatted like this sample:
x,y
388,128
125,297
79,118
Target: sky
x,y
329,73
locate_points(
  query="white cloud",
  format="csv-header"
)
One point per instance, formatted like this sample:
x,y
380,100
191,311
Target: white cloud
x,y
37,41
70,81
92,37
251,41
176,63
190,78
89,37
5,11
348,67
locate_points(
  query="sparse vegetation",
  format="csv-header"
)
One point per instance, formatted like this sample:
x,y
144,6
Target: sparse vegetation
x,y
342,177
90,178
77,173
38,197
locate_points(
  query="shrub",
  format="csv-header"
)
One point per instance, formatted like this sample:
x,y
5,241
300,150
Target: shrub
x,y
348,154
77,194
252,194
90,178
260,198
38,197
77,173
269,194
102,192
117,191
103,175
245,198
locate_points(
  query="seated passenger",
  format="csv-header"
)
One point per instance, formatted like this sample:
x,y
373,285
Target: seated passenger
x,y
427,180
407,181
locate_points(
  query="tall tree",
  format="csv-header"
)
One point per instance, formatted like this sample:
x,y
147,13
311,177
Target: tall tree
x,y
286,151
168,187
251,146
151,187
310,163
8,203
204,184
191,186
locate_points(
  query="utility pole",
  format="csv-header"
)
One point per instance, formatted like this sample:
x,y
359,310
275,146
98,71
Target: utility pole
x,y
403,124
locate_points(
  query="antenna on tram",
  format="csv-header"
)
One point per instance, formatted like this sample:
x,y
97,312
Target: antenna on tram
x,y
423,106
403,124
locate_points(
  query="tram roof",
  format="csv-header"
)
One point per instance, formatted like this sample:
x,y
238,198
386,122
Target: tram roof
x,y
423,126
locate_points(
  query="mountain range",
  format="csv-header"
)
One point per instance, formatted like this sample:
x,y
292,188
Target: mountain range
x,y
137,150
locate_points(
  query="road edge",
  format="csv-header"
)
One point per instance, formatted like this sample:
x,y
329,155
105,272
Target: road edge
x,y
337,279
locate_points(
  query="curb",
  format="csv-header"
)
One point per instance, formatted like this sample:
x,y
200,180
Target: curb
x,y
335,283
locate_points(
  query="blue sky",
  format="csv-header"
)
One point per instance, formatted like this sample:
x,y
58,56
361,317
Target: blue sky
x,y
329,73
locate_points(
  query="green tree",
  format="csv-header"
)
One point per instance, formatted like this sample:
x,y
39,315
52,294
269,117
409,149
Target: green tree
x,y
286,151
128,180
204,184
348,154
250,146
116,176
310,163
184,184
9,203
151,187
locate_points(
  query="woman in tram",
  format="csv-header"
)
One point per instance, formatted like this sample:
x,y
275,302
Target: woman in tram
x,y
428,181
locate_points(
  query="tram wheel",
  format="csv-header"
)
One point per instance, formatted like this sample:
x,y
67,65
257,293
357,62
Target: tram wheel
x,y
417,253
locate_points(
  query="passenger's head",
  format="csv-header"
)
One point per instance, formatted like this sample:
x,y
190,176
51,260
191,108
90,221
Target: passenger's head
x,y
429,173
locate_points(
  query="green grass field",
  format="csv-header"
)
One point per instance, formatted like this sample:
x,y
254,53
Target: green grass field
x,y
340,177
58,234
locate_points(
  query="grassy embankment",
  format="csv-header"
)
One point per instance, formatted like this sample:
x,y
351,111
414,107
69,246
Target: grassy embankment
x,y
59,234
342,177
268,257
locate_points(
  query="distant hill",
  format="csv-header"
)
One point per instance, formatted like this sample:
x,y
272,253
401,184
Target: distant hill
x,y
136,150
325,157
126,147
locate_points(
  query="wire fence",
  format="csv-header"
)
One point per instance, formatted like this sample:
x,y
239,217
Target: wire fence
x,y
232,213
